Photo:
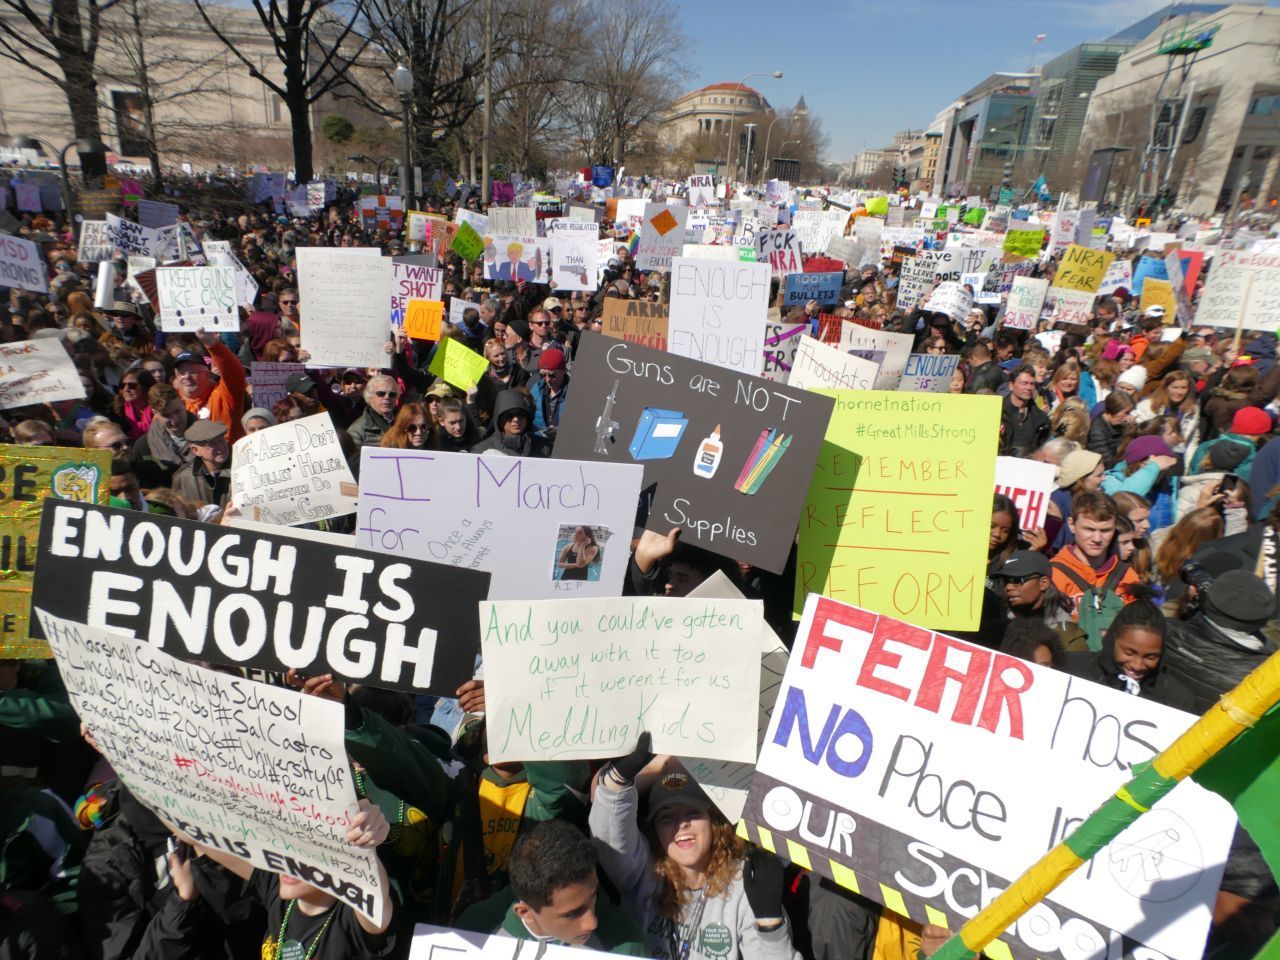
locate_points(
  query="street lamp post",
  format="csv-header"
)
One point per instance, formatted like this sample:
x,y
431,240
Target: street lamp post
x,y
801,112
777,75
485,185
751,141
85,145
402,80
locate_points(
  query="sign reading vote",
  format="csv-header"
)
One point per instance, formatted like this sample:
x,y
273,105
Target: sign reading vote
x,y
928,773
897,517
253,770
572,519
582,679
249,599
716,445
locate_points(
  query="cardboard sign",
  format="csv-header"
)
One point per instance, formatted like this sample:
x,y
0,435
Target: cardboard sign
x,y
465,510
1023,242
661,236
636,321
31,475
914,280
467,243
1071,306
1153,267
457,364
423,319
1082,268
822,287
513,221
929,372
781,250
515,259
950,297
247,599
890,350
581,679
292,473
573,254
131,238
818,366
413,282
897,516
781,340
715,444
153,213
21,265
344,293
37,371
1159,293
945,769
268,381
717,312
1242,285
193,298
1119,274
1029,484
702,190
253,770
1026,300
95,244
817,228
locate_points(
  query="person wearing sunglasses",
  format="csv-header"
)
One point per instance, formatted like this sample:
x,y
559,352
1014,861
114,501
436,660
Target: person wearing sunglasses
x,y
549,393
381,398
1030,594
103,434
129,408
411,429
290,318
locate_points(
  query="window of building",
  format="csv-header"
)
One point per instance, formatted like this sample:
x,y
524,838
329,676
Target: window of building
x,y
277,109
1264,106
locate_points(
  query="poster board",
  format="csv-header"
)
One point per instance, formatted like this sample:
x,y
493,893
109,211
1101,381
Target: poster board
x,y
632,404
574,244
818,366
22,265
1242,285
268,379
581,679
249,599
661,235
780,249
897,516
37,371
929,372
1029,484
803,287
344,294
95,244
467,510
717,312
31,475
411,281
945,770
636,321
292,473
446,943
890,350
1073,307
1026,301
194,298
1082,268
512,221
457,364
1159,293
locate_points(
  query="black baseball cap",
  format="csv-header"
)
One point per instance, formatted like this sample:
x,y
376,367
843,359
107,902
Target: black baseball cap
x,y
1024,563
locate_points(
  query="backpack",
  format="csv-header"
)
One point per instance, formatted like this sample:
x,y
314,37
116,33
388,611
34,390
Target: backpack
x,y
1098,606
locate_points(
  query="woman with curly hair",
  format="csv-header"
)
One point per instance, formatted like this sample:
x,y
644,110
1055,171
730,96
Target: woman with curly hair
x,y
700,892
1071,421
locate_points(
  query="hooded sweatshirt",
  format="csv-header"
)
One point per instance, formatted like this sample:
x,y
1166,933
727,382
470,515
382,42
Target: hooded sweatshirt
x,y
1158,684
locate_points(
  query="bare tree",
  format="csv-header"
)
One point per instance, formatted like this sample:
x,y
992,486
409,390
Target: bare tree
x,y
316,46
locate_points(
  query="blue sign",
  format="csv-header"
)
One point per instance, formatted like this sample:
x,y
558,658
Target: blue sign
x,y
602,176
1146,267
803,287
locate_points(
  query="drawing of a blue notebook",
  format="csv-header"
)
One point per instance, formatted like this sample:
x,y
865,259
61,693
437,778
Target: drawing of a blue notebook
x,y
658,434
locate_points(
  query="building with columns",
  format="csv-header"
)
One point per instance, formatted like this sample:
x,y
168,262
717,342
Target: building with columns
x,y
711,109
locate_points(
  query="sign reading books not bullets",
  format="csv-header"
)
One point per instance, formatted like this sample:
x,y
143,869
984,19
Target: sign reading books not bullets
x,y
572,520
727,457
192,745
249,599
927,773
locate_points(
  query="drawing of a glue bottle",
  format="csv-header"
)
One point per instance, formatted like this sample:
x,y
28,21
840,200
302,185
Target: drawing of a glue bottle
x,y
707,459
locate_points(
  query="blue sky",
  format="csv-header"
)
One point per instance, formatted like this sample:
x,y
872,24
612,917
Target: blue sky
x,y
868,68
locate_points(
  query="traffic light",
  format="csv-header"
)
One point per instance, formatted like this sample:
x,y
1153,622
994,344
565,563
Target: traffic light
x,y
1008,174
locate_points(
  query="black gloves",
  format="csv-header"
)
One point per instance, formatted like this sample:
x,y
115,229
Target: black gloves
x,y
625,769
763,883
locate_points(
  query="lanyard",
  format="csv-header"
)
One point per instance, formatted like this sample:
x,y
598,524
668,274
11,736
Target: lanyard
x,y
315,943
680,948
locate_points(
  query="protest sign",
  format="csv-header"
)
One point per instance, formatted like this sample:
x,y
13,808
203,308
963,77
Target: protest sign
x,y
635,321
418,227
573,254
412,282
345,293
467,243
822,287
1063,231
30,475
248,599
847,250
1242,289
1026,300
130,238
292,473
1070,306
911,238
205,753
37,371
21,265
818,366
457,364
581,679
1159,293
268,381
193,298
95,243
1082,268
944,770
781,249
423,319
950,297
896,517
711,441
914,279
816,228
868,231
218,254
717,312
1023,242
478,222
153,213
929,372
781,340
1028,483
513,221
1153,267
890,350
521,259
661,236
702,190
439,943
573,519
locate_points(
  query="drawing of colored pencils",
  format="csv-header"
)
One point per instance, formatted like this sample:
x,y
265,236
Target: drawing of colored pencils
x,y
765,436
761,463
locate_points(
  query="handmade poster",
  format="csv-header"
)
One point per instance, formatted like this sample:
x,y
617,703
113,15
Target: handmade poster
x,y
1063,232
1070,306
26,196
573,254
514,259
37,371
950,297
218,254
249,769
268,381
269,601
412,282
21,265
1159,293
1153,267
581,679
1082,268
194,298
1026,300
803,287
890,350
478,222
446,943
176,242
929,372
345,293
847,250
467,242
781,341
781,250
818,366
896,518
423,319
929,773
717,312
32,474
457,364
512,221
95,243
292,473
1023,242
154,213
572,519
636,321
868,231
1029,484
1243,288
915,277
131,238
817,228
911,238
715,444
661,236
702,190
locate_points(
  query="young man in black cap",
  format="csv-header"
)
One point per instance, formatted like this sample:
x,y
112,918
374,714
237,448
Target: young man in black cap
x,y
207,478
1024,579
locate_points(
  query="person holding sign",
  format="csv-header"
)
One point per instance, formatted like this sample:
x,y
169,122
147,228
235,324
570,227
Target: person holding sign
x,y
222,401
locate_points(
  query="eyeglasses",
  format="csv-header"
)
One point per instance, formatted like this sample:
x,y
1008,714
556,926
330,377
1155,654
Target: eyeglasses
x,y
1021,580
288,303
548,373
386,393
131,384
118,444
537,323
417,427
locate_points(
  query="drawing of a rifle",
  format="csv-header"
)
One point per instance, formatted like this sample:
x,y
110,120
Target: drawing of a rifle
x,y
605,424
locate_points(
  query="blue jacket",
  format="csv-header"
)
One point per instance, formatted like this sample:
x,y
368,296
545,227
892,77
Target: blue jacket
x,y
541,400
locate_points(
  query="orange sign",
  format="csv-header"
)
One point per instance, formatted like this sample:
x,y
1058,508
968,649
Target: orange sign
x,y
422,319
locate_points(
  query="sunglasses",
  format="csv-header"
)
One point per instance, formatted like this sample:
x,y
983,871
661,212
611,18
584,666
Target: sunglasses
x,y
118,445
386,393
1021,580
537,323
288,303
130,384
417,427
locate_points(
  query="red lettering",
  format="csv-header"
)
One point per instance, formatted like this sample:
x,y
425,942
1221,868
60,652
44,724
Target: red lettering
x,y
1000,695
937,672
820,634
889,629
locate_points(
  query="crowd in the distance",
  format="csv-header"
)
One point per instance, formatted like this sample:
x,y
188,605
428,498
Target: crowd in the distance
x,y
1154,573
